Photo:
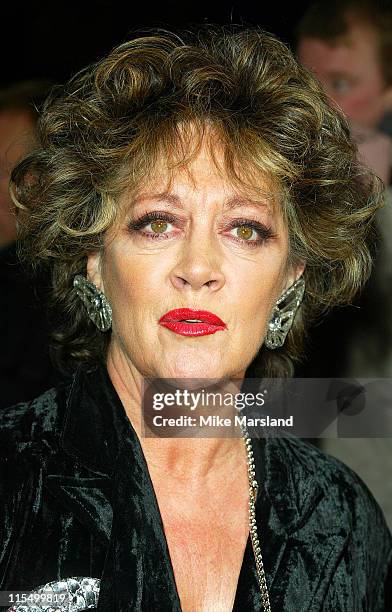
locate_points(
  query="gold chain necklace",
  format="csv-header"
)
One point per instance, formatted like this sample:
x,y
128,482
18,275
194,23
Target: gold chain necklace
x,y
253,488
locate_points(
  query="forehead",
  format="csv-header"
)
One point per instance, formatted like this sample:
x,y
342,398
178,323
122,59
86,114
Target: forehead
x,y
356,52
206,178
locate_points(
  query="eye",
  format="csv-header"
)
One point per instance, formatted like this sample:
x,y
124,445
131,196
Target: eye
x,y
340,85
158,227
153,224
246,232
250,232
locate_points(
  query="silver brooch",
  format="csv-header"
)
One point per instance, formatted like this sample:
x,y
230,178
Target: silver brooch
x,y
68,595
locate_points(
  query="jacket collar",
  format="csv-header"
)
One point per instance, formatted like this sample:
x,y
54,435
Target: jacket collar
x,y
133,528
94,421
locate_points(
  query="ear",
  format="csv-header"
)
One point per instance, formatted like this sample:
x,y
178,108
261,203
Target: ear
x,y
387,99
295,272
94,269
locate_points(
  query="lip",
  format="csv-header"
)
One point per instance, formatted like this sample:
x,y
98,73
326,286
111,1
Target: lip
x,y
174,320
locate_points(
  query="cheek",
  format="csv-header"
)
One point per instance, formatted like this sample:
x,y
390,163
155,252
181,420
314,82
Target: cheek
x,y
119,280
256,291
132,284
365,102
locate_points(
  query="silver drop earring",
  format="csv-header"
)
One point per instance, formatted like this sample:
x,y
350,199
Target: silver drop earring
x,y
97,306
283,314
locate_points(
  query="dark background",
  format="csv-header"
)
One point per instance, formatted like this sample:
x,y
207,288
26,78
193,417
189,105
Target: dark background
x,y
53,39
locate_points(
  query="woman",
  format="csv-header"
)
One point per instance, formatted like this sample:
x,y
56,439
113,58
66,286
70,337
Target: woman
x,y
184,192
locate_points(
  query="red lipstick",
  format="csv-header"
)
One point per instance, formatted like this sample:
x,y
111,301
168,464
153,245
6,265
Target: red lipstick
x,y
190,322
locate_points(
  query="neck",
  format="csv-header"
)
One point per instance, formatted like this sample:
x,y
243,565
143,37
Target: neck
x,y
194,460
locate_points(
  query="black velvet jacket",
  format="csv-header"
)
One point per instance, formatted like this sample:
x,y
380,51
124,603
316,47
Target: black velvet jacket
x,y
77,500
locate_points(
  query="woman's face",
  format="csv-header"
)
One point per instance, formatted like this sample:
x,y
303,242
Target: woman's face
x,y
194,242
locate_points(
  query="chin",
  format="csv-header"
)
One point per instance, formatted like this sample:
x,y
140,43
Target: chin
x,y
198,366
194,364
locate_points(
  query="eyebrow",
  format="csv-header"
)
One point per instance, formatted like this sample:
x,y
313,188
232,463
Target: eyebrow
x,y
174,201
238,202
339,73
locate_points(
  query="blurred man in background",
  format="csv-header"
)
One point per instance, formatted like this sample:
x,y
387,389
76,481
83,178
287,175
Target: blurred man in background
x,y
25,368
348,45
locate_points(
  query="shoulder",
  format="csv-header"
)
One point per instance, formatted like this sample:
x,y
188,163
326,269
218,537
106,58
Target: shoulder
x,y
316,489
341,486
29,439
328,499
33,425
345,503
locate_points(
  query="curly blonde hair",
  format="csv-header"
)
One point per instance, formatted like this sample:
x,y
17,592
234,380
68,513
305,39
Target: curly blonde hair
x,y
104,131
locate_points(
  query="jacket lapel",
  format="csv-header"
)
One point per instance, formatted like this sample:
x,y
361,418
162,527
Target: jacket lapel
x,y
104,481
88,499
300,557
81,477
138,573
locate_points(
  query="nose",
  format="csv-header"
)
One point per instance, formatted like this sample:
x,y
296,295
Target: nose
x,y
198,266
